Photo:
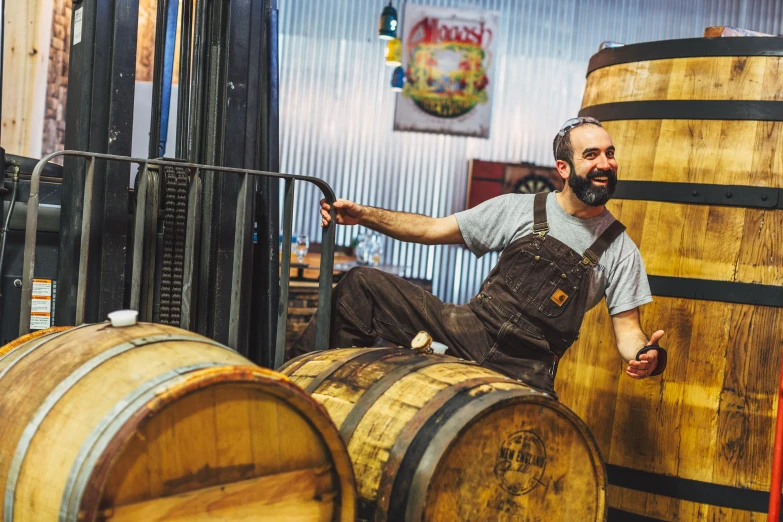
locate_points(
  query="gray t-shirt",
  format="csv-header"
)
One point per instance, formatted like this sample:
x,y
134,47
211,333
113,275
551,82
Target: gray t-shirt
x,y
620,274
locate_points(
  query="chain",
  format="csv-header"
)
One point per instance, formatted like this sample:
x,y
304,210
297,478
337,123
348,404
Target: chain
x,y
173,260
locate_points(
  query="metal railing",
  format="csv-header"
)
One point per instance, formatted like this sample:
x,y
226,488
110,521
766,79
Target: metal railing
x,y
146,224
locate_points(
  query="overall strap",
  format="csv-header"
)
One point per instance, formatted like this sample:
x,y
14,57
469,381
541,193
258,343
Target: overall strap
x,y
612,232
540,224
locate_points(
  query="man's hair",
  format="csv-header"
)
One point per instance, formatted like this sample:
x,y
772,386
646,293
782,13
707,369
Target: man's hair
x,y
564,150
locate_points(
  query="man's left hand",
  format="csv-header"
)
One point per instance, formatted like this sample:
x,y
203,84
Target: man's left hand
x,y
648,361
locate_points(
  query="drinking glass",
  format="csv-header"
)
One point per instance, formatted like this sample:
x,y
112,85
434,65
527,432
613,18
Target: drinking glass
x,y
302,246
376,249
361,250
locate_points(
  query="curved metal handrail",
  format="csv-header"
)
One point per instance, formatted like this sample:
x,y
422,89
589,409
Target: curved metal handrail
x,y
327,253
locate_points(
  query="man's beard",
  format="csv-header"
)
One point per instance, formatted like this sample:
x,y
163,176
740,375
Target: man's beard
x,y
589,194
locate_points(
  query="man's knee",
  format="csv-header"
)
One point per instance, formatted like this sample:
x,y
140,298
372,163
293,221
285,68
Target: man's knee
x,y
356,278
360,273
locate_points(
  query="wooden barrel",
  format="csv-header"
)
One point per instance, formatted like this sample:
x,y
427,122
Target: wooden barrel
x,y
152,423
435,438
698,126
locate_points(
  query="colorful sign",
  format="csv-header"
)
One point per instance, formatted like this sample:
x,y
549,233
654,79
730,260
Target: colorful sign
x,y
448,60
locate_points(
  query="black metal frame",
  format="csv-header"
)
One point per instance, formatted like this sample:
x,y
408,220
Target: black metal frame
x,y
686,110
99,118
701,194
687,48
265,295
227,115
690,490
721,291
231,119
327,255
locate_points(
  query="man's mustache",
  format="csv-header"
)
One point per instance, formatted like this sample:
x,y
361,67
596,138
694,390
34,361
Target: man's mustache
x,y
595,173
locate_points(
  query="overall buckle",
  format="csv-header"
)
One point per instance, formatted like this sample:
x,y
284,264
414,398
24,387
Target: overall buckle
x,y
541,229
590,257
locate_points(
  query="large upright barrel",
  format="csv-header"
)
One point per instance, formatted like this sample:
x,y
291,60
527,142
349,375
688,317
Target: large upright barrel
x,y
153,423
434,438
698,126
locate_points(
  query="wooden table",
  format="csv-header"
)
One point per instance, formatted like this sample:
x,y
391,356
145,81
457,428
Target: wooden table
x,y
311,268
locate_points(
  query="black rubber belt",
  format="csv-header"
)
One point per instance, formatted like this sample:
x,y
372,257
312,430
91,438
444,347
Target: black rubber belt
x,y
723,291
687,48
687,110
701,194
690,490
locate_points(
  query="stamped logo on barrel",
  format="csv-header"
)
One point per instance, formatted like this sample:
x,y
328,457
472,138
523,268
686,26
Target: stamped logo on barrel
x,y
521,462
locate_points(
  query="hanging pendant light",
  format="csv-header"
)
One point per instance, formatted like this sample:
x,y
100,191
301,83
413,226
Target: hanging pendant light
x,y
394,52
387,26
398,79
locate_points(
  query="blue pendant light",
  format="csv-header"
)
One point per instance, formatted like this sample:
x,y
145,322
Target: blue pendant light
x,y
387,26
398,79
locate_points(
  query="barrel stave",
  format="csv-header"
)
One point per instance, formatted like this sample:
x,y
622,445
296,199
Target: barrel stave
x,y
407,426
722,152
110,423
481,444
302,375
70,423
29,377
719,243
383,423
305,495
694,78
246,445
711,418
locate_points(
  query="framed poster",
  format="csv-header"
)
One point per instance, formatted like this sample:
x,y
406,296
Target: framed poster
x,y
448,59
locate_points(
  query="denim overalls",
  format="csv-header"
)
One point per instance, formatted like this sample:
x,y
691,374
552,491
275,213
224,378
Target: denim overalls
x,y
535,299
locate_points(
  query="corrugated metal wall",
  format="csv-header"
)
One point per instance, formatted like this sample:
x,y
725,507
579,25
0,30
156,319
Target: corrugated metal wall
x,y
337,109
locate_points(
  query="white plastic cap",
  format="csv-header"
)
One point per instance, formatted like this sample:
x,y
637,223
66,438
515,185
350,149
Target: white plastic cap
x,y
439,348
122,318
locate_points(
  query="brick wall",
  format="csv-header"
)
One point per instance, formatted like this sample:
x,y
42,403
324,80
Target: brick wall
x,y
145,45
57,88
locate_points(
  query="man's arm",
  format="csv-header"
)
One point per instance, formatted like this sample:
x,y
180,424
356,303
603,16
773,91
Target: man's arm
x,y
630,339
403,226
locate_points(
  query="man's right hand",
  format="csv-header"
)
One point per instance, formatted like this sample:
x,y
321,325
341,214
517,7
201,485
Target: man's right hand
x,y
348,212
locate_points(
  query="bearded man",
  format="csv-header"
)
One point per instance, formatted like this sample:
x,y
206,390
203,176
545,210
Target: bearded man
x,y
561,254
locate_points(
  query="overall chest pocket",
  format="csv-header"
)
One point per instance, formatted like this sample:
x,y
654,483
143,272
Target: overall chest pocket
x,y
556,295
527,267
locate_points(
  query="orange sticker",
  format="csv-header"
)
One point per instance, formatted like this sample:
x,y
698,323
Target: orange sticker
x,y
559,297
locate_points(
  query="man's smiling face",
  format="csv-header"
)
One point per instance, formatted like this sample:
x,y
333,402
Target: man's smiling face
x,y
593,175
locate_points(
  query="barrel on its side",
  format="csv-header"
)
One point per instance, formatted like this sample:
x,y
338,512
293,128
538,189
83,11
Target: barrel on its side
x,y
698,126
150,422
436,438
